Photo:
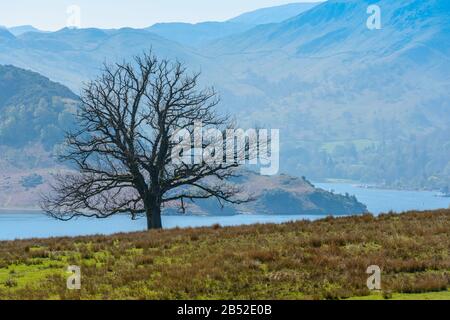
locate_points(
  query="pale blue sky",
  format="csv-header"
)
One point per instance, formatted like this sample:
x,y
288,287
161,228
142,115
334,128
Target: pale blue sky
x,y
51,14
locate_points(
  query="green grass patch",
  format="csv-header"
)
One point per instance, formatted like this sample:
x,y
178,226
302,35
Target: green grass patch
x,y
325,259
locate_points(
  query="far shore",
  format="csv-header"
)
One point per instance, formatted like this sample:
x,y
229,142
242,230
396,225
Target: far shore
x,y
20,209
365,185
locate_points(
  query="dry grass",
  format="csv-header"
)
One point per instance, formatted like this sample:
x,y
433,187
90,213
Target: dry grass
x,y
325,259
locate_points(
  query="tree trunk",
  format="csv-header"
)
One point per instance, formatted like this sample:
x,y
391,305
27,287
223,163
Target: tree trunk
x,y
154,218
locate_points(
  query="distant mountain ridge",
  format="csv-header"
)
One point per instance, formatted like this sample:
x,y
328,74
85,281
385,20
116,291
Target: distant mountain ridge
x,y
335,22
197,34
19,30
83,51
274,14
354,103
202,33
6,35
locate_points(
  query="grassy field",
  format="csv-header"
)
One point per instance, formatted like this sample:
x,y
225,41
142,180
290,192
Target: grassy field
x,y
326,259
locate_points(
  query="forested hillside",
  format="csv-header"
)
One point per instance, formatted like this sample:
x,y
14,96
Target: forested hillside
x,y
351,103
33,109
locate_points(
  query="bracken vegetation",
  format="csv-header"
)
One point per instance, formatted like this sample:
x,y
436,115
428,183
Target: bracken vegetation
x,y
326,259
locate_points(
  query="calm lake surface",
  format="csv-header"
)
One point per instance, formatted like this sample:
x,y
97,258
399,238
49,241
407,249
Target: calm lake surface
x,y
20,224
382,200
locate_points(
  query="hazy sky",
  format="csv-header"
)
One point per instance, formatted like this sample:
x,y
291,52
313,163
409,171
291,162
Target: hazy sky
x,y
52,14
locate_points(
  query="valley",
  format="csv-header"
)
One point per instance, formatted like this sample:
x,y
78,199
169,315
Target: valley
x,y
319,74
165,150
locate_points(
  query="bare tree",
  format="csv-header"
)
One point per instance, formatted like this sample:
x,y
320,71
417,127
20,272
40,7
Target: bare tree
x,y
123,151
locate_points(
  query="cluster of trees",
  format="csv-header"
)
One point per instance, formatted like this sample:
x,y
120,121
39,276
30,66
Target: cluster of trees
x,y
421,162
43,122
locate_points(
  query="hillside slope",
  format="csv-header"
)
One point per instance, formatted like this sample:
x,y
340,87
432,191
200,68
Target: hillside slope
x,y
274,14
353,103
281,195
19,30
72,56
33,109
326,259
194,35
36,112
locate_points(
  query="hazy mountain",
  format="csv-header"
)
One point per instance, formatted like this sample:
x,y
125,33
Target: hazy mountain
x,y
198,34
370,105
19,30
34,114
337,24
352,102
6,36
202,33
72,56
274,14
33,109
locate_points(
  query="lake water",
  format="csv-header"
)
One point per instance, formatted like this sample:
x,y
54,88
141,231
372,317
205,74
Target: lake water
x,y
20,224
382,200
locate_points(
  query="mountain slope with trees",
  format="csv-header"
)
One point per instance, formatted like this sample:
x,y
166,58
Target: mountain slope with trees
x,y
200,34
36,112
33,109
353,103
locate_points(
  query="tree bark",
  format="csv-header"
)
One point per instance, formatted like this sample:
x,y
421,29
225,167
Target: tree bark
x,y
154,218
